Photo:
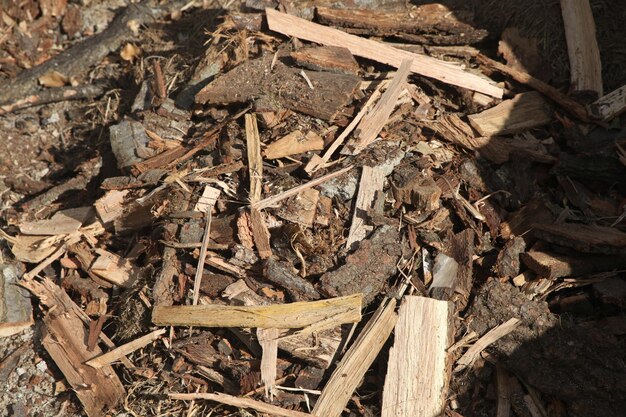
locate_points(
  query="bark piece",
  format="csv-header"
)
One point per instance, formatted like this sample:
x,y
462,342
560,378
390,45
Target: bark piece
x,y
326,58
294,143
301,208
280,316
368,268
424,65
374,121
63,222
372,180
420,191
522,112
55,95
610,105
508,263
419,364
284,86
582,46
348,374
64,337
282,273
432,23
16,312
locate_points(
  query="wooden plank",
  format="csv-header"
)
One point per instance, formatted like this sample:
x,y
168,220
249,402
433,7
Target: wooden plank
x,y
582,46
123,350
372,180
522,112
350,371
418,369
281,316
609,106
374,121
423,65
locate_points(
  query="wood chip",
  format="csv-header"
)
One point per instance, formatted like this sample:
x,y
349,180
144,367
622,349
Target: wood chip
x,y
490,337
123,350
372,180
294,143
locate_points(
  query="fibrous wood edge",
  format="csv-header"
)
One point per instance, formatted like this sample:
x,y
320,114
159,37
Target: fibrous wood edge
x,y
294,143
418,369
123,350
490,337
241,402
374,121
609,106
423,65
372,180
522,112
582,46
64,337
281,316
348,374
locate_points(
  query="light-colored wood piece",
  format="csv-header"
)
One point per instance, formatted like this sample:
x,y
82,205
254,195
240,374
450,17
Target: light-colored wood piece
x,y
423,65
490,337
123,350
294,143
110,206
609,106
270,201
281,316
268,409
582,46
268,339
260,233
63,222
317,162
211,194
372,180
302,208
255,161
418,369
207,200
522,112
374,121
64,337
113,268
349,373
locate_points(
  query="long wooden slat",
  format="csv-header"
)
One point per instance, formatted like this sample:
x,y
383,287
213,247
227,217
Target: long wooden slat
x,y
423,65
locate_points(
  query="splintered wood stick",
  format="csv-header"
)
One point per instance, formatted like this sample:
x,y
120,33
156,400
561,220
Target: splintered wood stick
x,y
270,201
123,350
372,180
281,316
211,195
317,162
357,360
423,65
418,370
375,120
609,106
582,46
572,106
241,402
255,160
490,337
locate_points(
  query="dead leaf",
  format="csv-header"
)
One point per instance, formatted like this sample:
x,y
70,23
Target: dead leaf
x,y
130,52
53,79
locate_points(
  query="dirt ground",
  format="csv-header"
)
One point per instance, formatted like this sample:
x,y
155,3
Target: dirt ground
x,y
567,352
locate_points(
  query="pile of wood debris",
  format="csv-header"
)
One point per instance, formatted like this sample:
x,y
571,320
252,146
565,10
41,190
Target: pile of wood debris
x,y
352,211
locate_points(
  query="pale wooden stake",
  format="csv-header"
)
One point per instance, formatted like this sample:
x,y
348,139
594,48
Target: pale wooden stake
x,y
375,120
269,409
255,161
211,194
423,65
582,46
490,337
418,370
123,350
372,180
281,316
268,339
357,360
